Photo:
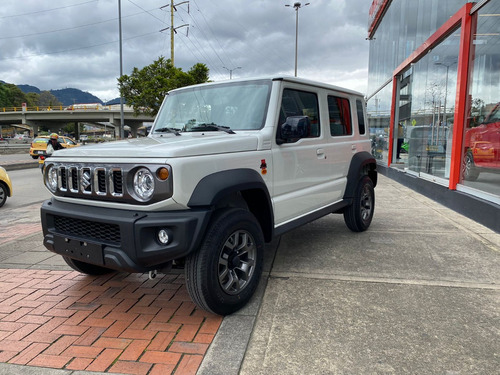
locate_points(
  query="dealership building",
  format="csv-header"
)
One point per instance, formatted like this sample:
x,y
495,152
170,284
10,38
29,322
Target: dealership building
x,y
434,100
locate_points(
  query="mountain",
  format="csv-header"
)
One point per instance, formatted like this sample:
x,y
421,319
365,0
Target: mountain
x,y
114,101
70,96
28,88
66,96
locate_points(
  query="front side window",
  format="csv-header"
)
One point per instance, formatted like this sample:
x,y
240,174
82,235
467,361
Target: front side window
x,y
299,115
340,116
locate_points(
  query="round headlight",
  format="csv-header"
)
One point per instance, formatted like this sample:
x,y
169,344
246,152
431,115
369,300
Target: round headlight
x,y
144,184
51,179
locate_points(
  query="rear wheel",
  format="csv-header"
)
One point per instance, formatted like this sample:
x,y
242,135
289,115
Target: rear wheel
x,y
89,269
358,216
34,156
469,171
223,274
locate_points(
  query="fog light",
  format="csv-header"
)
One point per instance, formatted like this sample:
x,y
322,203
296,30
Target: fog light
x,y
163,236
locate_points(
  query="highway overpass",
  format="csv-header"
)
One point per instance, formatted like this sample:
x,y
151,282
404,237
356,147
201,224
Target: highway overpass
x,y
57,118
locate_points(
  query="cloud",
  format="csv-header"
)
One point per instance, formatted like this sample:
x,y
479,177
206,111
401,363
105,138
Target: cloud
x,y
74,43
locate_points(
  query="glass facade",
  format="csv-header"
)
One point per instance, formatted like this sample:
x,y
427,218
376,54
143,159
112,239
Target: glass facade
x,y
429,97
481,146
404,27
424,130
379,116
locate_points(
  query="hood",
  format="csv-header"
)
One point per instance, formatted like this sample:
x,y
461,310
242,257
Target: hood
x,y
168,146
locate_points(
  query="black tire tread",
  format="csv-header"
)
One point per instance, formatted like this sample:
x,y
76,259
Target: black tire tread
x,y
198,262
352,217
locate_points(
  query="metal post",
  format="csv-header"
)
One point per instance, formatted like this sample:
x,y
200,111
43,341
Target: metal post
x,y
297,6
296,34
172,30
122,119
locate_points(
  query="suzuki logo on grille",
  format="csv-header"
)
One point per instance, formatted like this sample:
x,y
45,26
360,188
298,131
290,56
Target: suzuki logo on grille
x,y
86,180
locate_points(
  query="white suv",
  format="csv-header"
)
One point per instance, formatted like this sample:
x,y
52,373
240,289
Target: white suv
x,y
227,167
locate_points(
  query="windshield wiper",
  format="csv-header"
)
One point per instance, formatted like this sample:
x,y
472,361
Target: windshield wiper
x,y
212,126
166,129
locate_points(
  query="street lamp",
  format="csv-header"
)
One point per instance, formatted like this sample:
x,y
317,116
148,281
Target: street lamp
x,y
297,6
231,71
447,66
122,118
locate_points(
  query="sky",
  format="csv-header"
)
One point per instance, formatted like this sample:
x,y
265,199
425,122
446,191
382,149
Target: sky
x,y
75,43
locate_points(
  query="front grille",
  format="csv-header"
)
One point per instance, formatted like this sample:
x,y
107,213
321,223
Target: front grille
x,y
117,181
102,232
97,181
102,182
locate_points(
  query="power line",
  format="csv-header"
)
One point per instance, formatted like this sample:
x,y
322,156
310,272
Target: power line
x,y
213,34
71,28
48,10
74,49
146,11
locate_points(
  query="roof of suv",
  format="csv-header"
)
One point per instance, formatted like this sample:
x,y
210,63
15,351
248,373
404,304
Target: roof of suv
x,y
283,78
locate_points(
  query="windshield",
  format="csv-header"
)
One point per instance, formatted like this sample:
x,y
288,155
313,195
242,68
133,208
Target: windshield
x,y
224,107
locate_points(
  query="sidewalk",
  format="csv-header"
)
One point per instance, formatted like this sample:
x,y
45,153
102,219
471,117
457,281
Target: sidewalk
x,y
418,293
18,161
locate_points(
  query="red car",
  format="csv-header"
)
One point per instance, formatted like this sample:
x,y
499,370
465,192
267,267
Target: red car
x,y
482,153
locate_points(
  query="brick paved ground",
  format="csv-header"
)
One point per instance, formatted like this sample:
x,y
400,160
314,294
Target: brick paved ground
x,y
118,323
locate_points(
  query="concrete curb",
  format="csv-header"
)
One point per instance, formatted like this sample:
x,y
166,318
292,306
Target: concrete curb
x,y
18,166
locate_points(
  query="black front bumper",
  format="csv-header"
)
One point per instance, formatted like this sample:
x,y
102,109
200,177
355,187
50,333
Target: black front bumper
x,y
123,240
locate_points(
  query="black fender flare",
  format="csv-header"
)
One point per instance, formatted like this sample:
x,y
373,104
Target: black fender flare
x,y
213,188
362,163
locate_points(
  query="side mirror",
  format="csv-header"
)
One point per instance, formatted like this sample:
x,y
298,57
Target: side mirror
x,y
293,129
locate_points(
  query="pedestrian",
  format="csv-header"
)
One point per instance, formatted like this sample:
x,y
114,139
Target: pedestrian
x,y
400,140
53,144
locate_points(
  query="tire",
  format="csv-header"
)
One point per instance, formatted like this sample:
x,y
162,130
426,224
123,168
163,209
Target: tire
x,y
86,268
3,194
223,274
34,156
469,170
358,216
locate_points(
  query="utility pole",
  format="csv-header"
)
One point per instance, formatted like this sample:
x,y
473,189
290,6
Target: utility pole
x,y
172,28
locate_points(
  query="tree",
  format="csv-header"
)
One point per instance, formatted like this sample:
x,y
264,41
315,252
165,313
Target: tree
x,y
33,99
145,88
11,95
47,99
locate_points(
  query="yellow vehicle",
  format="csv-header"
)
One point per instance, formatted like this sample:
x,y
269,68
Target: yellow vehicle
x,y
39,145
5,186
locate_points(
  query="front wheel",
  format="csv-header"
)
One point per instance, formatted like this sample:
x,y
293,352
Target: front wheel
x,y
358,216
223,274
3,194
86,268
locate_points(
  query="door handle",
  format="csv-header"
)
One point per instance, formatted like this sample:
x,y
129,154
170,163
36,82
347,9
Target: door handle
x,y
320,153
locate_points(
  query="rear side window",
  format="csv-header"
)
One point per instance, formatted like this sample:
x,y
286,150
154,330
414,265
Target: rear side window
x,y
296,104
361,116
340,116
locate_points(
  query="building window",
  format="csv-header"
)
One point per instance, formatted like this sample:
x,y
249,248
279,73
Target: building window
x,y
481,145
